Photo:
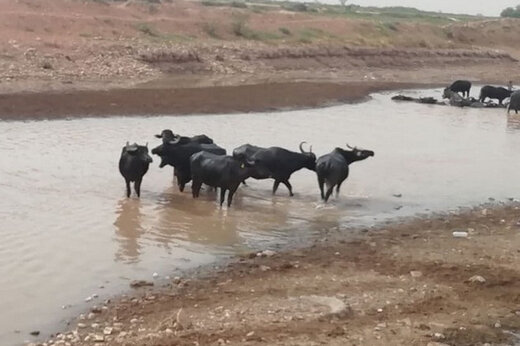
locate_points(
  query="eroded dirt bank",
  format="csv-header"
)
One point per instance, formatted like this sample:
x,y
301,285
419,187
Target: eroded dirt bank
x,y
412,283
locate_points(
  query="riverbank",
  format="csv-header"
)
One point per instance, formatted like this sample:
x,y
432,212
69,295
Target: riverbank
x,y
407,283
241,94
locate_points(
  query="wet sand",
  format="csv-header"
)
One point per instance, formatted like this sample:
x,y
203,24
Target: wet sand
x,y
404,283
190,100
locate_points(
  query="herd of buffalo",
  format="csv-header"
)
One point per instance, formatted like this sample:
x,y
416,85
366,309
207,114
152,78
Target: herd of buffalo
x,y
200,160
486,92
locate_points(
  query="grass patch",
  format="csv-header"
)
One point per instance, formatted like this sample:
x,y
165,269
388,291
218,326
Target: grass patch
x,y
147,29
211,30
240,28
285,31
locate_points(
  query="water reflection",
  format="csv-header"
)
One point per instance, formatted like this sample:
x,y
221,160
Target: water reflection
x,y
128,230
513,122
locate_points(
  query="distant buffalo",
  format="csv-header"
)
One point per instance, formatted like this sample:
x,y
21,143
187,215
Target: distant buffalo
x,y
133,165
333,168
462,86
514,104
492,92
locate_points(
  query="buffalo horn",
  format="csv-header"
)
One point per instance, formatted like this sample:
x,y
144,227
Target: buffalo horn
x,y
348,146
301,147
158,136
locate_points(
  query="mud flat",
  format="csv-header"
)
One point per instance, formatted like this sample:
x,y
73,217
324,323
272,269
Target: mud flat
x,y
404,283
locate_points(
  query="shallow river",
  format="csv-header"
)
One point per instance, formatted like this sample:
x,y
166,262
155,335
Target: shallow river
x,y
67,228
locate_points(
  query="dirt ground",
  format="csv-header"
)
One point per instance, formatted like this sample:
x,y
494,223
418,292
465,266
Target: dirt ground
x,y
410,283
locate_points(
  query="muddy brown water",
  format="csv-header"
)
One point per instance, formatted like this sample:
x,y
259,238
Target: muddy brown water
x,y
67,229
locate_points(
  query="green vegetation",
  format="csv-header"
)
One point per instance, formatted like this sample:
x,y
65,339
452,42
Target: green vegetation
x,y
147,29
511,12
240,28
211,30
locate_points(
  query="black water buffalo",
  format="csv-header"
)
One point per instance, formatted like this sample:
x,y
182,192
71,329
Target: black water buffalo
x,y
514,104
244,153
133,165
462,86
168,135
177,153
492,92
332,169
280,164
220,171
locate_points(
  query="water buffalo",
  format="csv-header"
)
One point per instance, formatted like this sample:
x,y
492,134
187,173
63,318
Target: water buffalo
x,y
514,104
332,169
168,135
462,86
220,171
177,153
492,92
133,165
281,163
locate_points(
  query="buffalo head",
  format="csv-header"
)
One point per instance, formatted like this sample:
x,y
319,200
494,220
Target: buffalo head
x,y
139,151
310,162
359,154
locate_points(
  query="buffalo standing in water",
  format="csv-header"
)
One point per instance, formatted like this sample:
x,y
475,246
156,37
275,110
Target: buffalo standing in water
x,y
492,92
462,86
133,165
332,169
277,163
514,104
224,172
177,153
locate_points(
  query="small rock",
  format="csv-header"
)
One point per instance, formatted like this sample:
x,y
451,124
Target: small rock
x,y
155,275
416,273
266,253
123,334
460,234
134,320
94,325
82,325
108,330
95,295
381,325
140,283
439,336
498,325
398,195
96,310
380,310
99,338
88,299
35,333
477,279
250,334
168,331
264,268
91,315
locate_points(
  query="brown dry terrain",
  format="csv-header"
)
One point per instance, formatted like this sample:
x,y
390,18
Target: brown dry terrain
x,y
144,52
405,284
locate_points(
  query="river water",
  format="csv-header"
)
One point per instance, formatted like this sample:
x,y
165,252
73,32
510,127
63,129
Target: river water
x,y
67,228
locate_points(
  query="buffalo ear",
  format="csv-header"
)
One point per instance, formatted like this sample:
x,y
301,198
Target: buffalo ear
x,y
146,144
127,143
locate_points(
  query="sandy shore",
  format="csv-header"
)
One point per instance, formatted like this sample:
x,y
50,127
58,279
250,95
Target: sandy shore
x,y
404,283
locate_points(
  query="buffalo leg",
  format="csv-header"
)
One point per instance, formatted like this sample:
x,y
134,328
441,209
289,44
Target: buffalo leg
x,y
337,189
195,188
275,186
222,196
137,187
230,196
289,187
321,182
128,191
329,192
